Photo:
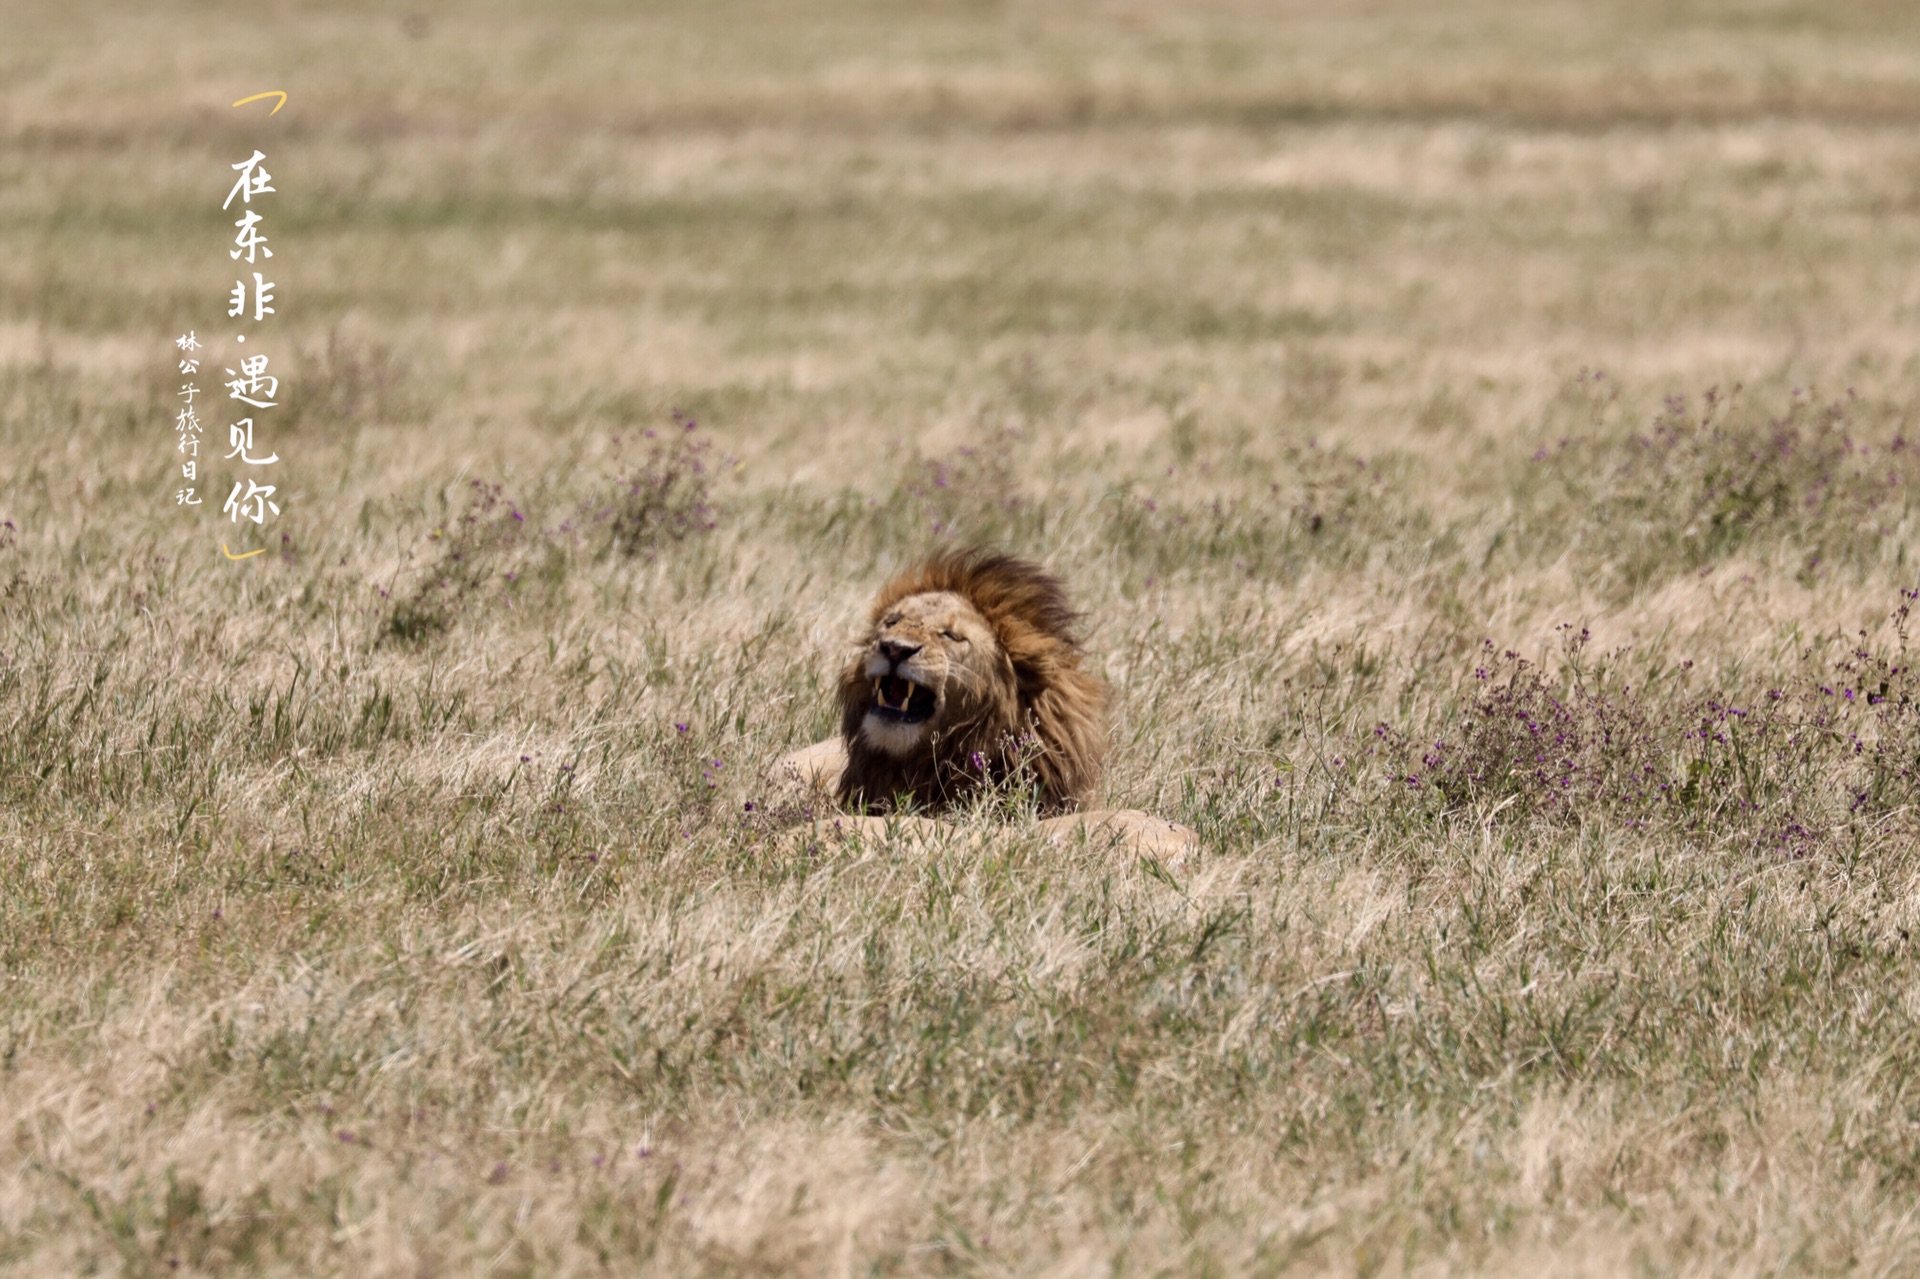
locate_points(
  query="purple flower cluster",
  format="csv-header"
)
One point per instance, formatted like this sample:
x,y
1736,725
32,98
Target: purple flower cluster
x,y
665,496
975,490
476,548
1709,477
662,498
1789,764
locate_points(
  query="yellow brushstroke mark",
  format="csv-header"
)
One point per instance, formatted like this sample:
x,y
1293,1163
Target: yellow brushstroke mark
x,y
249,555
270,93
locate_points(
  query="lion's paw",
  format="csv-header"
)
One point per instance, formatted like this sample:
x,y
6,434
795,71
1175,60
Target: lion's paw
x,y
811,770
1142,834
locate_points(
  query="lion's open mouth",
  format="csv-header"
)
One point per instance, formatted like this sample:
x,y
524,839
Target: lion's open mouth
x,y
902,700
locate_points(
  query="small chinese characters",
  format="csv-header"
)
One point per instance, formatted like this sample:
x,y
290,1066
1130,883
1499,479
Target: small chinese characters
x,y
186,422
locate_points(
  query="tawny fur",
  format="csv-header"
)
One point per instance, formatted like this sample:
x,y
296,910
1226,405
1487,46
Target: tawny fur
x,y
1028,709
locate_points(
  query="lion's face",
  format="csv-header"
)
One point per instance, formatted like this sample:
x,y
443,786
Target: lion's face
x,y
969,671
931,662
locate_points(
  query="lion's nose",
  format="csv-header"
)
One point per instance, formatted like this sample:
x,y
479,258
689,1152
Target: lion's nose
x,y
896,652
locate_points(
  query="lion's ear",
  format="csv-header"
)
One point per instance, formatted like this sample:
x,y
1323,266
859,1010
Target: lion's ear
x,y
1037,659
1041,660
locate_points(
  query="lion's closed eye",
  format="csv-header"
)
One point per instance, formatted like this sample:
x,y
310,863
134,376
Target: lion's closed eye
x,y
956,638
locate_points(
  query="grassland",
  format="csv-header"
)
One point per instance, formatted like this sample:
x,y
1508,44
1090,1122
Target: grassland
x,y
1480,436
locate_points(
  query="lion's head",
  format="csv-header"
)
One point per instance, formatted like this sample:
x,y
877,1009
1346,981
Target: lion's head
x,y
970,670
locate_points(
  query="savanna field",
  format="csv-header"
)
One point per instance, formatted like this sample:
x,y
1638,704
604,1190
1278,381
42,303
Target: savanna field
x,y
1482,439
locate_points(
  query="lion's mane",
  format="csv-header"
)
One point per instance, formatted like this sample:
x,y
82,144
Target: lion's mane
x,y
1043,717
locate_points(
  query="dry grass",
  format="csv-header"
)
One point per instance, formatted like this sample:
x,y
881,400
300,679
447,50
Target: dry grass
x,y
391,903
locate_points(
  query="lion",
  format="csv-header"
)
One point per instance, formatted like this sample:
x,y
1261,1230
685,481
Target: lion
x,y
970,674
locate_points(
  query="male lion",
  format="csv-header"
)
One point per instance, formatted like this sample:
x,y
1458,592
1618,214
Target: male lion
x,y
970,673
